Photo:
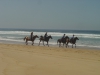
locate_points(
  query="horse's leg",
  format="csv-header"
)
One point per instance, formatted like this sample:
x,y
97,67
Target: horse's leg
x,y
47,44
66,44
32,42
63,44
72,45
39,42
26,41
59,44
75,45
43,43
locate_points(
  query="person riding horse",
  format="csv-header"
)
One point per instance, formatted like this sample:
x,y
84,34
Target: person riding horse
x,y
72,38
31,36
45,36
63,37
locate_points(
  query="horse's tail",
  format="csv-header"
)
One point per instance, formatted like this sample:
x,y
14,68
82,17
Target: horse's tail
x,y
25,38
57,41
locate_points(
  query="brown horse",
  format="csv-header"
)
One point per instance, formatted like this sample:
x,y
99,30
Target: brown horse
x,y
64,40
72,41
46,39
28,39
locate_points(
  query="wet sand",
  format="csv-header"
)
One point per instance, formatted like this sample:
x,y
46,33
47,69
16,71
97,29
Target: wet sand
x,y
18,59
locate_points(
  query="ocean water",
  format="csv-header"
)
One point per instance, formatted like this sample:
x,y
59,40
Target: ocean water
x,y
90,39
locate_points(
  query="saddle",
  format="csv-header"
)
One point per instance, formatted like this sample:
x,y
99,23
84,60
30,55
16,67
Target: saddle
x,y
44,38
63,39
71,40
31,38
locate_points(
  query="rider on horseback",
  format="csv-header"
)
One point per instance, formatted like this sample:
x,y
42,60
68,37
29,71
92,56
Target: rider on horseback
x,y
63,37
45,35
72,38
31,36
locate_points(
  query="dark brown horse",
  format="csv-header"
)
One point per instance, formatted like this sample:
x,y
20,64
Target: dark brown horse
x,y
64,40
28,39
72,41
46,39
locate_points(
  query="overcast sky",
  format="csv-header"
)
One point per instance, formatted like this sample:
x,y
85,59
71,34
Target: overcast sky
x,y
50,14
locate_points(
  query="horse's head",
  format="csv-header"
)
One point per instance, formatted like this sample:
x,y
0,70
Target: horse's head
x,y
37,36
76,38
66,37
50,36
24,38
41,36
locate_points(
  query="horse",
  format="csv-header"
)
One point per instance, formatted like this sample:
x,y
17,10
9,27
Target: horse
x,y
46,39
64,40
72,41
28,39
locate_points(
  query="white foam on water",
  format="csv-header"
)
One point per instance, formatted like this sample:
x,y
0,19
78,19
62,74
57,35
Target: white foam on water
x,y
17,36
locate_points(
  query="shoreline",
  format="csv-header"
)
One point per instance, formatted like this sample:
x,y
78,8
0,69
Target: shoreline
x,y
50,45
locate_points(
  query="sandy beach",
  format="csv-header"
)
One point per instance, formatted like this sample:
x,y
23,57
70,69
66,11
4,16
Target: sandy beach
x,y
18,59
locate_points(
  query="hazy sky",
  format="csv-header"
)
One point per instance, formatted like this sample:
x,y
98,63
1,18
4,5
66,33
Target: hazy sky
x,y
50,14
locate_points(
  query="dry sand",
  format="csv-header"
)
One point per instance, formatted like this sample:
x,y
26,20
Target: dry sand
x,y
40,60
